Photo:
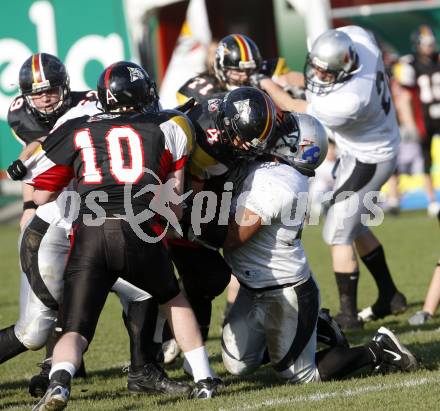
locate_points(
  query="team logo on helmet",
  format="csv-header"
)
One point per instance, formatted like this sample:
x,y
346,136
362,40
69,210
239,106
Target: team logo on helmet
x,y
213,104
311,155
110,97
244,110
135,74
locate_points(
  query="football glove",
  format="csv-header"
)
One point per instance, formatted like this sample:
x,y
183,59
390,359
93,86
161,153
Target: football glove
x,y
17,170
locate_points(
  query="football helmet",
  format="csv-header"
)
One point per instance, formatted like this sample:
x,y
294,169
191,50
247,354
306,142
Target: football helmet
x,y
238,53
40,73
247,113
301,141
424,37
331,60
126,86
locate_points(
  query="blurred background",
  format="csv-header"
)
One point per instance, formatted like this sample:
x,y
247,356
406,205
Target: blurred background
x,y
172,38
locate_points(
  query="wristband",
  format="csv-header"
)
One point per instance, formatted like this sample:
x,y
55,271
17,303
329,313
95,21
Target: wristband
x,y
29,205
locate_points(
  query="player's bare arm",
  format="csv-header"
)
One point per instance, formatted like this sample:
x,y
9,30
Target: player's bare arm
x,y
242,228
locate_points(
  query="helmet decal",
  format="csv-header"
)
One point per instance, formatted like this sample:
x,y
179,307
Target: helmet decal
x,y
243,109
311,155
110,97
135,74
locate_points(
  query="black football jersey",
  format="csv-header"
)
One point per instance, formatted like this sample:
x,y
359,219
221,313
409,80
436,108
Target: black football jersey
x,y
414,72
200,88
27,127
113,157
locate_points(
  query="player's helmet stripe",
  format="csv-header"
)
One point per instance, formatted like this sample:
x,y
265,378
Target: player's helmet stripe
x,y
107,76
245,51
37,69
269,120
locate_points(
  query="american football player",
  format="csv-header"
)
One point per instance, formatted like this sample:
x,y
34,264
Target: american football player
x,y
419,73
44,243
276,310
347,90
130,131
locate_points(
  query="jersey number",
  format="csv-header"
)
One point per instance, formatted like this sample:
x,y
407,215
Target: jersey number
x,y
122,173
429,87
382,90
199,82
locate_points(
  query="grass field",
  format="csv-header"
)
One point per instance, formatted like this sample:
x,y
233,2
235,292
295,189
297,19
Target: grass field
x,y
412,247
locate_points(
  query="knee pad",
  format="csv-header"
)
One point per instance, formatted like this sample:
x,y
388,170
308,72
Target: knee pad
x,y
34,332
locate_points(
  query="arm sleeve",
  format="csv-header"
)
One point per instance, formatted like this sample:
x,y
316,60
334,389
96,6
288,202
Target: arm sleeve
x,y
179,136
335,110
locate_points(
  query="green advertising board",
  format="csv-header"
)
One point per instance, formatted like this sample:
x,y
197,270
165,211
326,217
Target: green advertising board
x,y
86,35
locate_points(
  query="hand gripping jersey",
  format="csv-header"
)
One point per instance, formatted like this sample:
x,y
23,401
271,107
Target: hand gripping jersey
x,y
359,111
107,151
27,128
274,255
422,78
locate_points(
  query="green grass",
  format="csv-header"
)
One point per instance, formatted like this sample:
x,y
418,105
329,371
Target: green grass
x,y
412,248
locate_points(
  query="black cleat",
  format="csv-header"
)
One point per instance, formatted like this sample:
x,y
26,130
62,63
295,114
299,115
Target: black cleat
x,y
349,322
328,330
55,399
397,305
152,379
40,382
207,388
394,353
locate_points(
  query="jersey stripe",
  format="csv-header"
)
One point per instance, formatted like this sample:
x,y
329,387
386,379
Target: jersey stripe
x,y
187,128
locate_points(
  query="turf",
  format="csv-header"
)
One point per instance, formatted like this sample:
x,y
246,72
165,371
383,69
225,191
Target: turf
x,y
412,248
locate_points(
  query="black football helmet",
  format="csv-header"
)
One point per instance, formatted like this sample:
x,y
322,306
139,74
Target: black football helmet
x,y
250,114
126,86
236,52
424,36
42,72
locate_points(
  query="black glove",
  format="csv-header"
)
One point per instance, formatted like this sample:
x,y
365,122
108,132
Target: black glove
x,y
255,79
17,170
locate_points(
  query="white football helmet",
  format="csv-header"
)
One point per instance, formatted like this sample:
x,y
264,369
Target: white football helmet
x,y
302,142
330,61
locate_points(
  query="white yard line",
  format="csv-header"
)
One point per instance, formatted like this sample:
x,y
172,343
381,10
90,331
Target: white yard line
x,y
335,394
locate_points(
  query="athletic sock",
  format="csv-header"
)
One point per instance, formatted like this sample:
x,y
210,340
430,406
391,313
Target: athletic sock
x,y
62,366
338,362
376,264
10,345
347,286
198,361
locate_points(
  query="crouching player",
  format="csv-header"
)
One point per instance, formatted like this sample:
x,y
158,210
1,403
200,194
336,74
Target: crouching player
x,y
277,307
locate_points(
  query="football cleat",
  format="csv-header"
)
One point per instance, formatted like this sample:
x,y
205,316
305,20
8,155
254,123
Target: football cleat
x,y
207,388
349,322
419,318
328,330
397,305
55,399
40,382
171,351
152,379
394,353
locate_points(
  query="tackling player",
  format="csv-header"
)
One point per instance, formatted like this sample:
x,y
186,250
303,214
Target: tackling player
x,y
277,307
106,154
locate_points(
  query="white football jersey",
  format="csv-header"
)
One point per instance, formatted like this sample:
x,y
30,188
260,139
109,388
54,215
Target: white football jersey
x,y
360,111
274,255
63,211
